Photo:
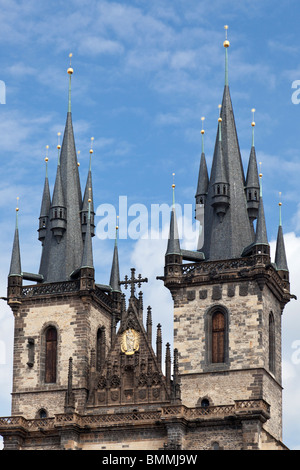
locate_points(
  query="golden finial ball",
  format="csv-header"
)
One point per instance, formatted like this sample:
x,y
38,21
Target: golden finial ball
x,y
173,186
226,43
17,209
280,204
58,147
220,119
91,151
202,131
89,200
253,124
260,175
46,159
117,227
70,70
78,164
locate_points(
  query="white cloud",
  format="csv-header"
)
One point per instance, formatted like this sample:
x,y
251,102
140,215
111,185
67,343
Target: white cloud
x,y
94,45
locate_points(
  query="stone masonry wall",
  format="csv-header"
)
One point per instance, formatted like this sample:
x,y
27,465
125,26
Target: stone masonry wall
x,y
241,377
77,322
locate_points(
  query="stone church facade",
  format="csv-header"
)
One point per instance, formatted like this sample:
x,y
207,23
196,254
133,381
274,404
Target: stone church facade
x,y
85,372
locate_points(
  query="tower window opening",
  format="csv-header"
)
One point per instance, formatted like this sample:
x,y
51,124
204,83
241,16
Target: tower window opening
x,y
42,413
218,337
271,343
204,403
51,355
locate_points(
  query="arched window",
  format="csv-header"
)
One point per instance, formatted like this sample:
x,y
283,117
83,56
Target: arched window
x,y
204,403
51,355
42,413
271,343
218,337
215,446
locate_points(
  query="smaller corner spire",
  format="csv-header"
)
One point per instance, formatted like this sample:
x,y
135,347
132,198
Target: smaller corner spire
x,y
70,72
88,194
115,270
226,44
173,242
87,257
261,237
220,184
280,254
15,264
45,206
203,179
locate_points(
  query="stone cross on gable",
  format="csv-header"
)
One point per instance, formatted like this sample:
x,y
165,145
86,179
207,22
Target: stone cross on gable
x,y
133,281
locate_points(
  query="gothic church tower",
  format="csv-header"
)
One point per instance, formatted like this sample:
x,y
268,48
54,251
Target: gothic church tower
x,y
228,302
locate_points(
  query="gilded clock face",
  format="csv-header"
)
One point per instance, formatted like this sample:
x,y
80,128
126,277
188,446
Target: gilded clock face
x,y
130,341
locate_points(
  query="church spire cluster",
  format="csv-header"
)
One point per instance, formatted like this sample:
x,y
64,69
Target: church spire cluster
x,y
66,221
229,205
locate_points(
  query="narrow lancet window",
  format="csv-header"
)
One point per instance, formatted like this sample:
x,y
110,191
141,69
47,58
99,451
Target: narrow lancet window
x,y
51,355
271,343
218,337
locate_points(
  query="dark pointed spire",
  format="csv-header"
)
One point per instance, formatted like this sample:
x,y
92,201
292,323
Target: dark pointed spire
x,y
115,271
15,264
228,239
87,256
173,242
261,237
61,259
280,254
252,182
203,178
45,205
219,181
58,214
88,193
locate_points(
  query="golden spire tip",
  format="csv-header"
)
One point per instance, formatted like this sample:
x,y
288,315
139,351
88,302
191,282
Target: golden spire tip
x,y
70,70
226,43
253,122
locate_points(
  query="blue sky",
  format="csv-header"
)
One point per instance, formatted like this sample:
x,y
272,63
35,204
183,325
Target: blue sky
x,y
144,74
